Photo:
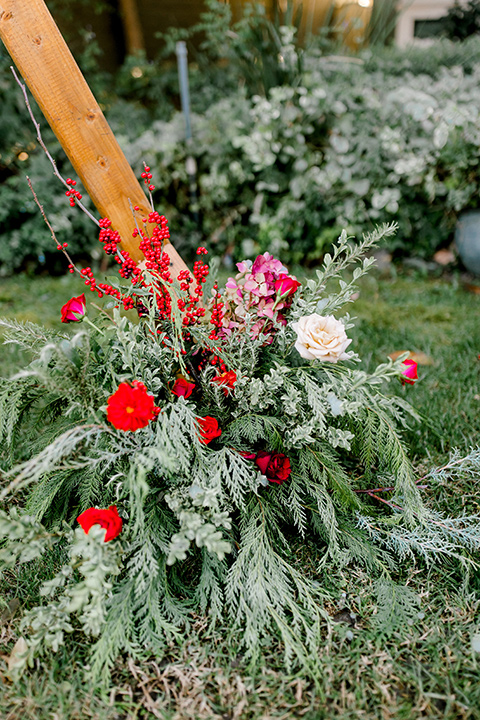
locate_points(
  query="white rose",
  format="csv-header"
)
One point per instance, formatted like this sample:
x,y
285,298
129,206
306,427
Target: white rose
x,y
321,338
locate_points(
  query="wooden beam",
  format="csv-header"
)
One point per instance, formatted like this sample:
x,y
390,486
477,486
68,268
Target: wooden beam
x,y
54,79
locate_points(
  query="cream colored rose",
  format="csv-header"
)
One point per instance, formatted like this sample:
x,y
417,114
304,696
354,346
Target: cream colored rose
x,y
321,338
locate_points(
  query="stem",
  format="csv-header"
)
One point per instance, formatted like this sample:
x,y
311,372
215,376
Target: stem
x,y
54,237
44,147
85,319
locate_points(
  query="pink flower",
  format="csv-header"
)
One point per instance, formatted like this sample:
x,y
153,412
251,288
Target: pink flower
x,y
409,372
75,309
256,297
266,263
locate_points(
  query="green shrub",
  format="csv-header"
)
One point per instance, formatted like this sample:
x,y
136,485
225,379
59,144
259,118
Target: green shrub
x,y
346,147
291,144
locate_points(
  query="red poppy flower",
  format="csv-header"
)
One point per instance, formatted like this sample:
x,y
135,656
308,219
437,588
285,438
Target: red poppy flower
x,y
409,372
131,407
209,429
108,519
183,388
227,380
75,309
275,466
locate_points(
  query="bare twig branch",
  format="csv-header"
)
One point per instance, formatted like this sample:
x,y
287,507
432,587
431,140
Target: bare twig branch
x,y
54,237
44,147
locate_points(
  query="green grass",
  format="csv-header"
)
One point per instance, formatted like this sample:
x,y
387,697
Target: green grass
x,y
427,670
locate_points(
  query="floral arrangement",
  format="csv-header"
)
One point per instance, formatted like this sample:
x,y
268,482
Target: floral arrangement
x,y
180,444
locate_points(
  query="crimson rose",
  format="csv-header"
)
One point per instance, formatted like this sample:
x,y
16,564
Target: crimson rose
x,y
75,309
182,388
108,519
275,466
209,429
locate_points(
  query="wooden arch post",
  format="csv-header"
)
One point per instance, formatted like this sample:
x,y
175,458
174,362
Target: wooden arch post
x,y
43,58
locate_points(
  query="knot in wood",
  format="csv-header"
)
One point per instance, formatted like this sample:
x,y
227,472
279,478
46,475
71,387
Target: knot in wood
x,y
102,162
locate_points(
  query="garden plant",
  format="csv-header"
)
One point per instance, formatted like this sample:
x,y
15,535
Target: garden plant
x,y
288,154
172,458
200,461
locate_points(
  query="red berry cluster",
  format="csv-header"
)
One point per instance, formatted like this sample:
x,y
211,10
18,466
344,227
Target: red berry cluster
x,y
216,316
153,236
210,356
72,193
109,237
191,306
152,246
147,177
104,289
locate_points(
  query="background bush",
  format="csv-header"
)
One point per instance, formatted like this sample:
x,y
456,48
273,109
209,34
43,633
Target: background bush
x,y
291,143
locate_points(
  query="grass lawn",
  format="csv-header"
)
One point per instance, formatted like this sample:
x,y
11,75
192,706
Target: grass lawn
x,y
426,670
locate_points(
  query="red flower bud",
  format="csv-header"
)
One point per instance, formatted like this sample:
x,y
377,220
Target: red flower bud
x,y
108,519
286,285
409,372
75,309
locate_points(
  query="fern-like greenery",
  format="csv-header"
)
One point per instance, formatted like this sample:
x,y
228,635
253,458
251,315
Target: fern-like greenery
x,y
209,523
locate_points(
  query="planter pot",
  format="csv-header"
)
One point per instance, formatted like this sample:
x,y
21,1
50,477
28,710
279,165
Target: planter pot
x,y
467,240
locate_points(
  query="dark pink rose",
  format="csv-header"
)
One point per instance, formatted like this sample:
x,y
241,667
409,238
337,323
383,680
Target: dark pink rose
x,y
182,387
286,285
75,309
409,372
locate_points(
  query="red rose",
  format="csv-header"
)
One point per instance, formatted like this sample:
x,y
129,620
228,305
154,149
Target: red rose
x,y
209,429
286,285
409,372
131,407
275,466
75,309
183,388
108,519
227,380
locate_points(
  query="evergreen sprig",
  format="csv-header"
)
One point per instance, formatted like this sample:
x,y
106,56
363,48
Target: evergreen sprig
x,y
298,448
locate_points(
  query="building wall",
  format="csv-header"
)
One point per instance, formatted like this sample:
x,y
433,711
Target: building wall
x,y
415,10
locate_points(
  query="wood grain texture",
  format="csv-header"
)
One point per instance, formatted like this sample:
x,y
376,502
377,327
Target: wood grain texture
x,y
54,79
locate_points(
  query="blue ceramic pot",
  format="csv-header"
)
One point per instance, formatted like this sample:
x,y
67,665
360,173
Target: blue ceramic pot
x,y
467,240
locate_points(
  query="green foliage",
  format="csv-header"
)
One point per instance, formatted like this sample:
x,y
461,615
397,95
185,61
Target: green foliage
x,y
463,20
203,529
345,145
291,144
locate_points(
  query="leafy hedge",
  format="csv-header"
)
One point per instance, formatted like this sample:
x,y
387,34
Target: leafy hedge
x,y
340,142
344,148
